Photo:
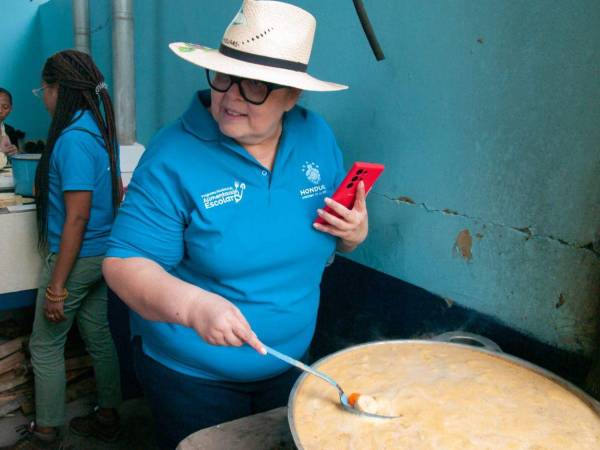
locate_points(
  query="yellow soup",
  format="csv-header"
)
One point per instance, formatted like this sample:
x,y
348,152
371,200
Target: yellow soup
x,y
449,397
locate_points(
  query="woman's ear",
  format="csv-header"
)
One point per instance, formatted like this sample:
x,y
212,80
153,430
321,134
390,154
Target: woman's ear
x,y
293,96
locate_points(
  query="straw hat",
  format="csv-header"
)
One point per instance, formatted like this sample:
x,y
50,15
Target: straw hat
x,y
267,40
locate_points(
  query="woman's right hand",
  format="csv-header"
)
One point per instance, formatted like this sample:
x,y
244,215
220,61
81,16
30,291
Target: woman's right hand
x,y
220,322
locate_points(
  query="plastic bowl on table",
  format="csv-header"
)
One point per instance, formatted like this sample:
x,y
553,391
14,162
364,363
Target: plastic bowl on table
x,y
24,166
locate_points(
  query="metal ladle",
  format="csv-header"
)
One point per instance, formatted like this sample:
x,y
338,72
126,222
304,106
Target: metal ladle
x,y
343,397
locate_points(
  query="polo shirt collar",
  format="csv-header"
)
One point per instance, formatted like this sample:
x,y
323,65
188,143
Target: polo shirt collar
x,y
198,121
289,136
83,118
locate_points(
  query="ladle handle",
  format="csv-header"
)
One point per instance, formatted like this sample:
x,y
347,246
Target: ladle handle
x,y
300,365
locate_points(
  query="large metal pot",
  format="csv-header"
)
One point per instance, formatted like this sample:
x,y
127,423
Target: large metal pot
x,y
454,339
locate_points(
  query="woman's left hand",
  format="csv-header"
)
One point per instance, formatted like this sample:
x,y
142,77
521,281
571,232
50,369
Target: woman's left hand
x,y
54,311
352,226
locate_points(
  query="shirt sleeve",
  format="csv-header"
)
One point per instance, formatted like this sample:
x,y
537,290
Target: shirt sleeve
x,y
75,162
151,222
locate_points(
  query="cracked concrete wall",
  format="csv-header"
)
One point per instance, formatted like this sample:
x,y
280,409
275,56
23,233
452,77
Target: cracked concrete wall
x,y
487,117
24,46
534,283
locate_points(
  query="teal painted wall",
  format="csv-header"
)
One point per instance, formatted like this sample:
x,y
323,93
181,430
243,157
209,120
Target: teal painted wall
x,y
55,20
487,117
36,30
20,47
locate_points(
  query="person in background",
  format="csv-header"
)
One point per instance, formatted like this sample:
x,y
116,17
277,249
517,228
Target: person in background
x,y
77,191
215,245
9,136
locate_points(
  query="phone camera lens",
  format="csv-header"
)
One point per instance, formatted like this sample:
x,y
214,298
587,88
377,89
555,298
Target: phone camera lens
x,y
359,171
349,186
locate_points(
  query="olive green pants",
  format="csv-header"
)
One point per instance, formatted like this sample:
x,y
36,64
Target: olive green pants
x,y
86,304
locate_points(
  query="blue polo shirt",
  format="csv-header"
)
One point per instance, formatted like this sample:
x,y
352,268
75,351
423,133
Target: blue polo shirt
x,y
79,162
210,214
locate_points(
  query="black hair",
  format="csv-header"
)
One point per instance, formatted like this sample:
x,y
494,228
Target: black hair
x,y
80,87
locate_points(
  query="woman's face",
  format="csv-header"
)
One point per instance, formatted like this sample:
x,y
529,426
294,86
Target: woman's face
x,y
50,96
250,124
5,107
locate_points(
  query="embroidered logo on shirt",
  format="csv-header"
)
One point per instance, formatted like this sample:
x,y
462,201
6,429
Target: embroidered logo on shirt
x,y
311,170
314,191
224,195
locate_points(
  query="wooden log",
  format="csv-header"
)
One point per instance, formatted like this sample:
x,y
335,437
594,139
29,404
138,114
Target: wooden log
x,y
72,375
12,362
12,379
27,406
80,389
78,363
25,389
6,398
10,407
10,347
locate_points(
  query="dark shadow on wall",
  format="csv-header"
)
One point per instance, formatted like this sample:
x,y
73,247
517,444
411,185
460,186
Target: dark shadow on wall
x,y
359,304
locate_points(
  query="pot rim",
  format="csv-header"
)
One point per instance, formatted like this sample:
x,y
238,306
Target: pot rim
x,y
587,399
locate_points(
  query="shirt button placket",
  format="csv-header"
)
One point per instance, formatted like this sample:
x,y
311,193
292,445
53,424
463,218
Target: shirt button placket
x,y
265,174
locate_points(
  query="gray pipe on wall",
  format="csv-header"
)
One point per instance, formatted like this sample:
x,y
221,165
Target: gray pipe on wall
x,y
81,25
123,70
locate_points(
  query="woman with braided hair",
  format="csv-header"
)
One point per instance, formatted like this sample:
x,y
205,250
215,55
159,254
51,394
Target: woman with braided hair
x,y
78,191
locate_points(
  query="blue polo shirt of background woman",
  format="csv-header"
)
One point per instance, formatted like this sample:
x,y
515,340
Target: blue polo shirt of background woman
x,y
79,162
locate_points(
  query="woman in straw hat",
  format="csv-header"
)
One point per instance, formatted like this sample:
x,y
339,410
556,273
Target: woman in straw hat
x,y
215,246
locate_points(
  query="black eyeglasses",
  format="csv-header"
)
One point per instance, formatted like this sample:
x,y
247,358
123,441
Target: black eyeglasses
x,y
253,91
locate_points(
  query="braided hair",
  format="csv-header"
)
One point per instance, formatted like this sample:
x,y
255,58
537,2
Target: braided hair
x,y
80,87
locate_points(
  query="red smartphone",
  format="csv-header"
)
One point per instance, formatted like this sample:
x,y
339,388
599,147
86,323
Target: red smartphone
x,y
346,191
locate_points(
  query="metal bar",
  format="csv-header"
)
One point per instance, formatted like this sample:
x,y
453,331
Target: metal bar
x,y
124,70
301,366
81,25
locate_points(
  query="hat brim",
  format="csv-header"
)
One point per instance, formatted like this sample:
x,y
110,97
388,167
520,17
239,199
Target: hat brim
x,y
212,59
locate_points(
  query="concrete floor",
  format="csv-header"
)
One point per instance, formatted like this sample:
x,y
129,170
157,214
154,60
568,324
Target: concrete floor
x,y
137,434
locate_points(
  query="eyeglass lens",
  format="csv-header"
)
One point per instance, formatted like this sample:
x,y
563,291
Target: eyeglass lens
x,y
254,91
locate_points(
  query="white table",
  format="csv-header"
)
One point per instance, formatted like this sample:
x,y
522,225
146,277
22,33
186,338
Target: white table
x,y
20,261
